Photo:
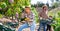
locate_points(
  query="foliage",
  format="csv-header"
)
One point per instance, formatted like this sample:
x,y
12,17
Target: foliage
x,y
3,5
39,4
57,0
56,16
55,4
57,28
9,12
59,14
36,14
1,15
13,6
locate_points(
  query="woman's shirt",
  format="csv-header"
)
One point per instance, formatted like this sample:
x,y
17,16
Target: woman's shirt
x,y
25,15
43,15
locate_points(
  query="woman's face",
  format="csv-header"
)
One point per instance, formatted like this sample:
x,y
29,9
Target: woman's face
x,y
27,10
45,9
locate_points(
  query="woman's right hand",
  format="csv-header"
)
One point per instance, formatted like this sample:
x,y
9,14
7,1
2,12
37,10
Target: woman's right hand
x,y
27,19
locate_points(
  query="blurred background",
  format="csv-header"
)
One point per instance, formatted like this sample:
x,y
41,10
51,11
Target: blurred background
x,y
8,9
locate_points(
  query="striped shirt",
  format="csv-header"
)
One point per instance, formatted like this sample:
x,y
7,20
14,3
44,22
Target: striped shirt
x,y
31,16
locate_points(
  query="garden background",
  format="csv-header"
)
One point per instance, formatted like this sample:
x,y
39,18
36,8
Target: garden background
x,y
8,10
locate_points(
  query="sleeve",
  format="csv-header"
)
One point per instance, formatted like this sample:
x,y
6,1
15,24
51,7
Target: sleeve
x,y
22,15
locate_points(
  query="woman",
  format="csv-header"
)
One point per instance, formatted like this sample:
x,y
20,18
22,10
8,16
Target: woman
x,y
29,20
43,17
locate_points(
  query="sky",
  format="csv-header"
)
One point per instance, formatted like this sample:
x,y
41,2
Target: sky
x,y
44,1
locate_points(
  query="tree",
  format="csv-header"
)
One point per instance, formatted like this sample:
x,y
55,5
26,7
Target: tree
x,y
5,5
57,0
52,1
47,4
38,4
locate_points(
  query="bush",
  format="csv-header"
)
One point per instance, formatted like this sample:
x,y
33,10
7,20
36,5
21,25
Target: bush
x,y
1,15
57,28
9,12
36,14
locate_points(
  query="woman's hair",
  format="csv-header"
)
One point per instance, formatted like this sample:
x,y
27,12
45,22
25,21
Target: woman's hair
x,y
27,7
44,6
23,9
50,16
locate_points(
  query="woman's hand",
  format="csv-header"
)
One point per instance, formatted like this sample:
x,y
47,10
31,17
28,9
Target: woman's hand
x,y
27,19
